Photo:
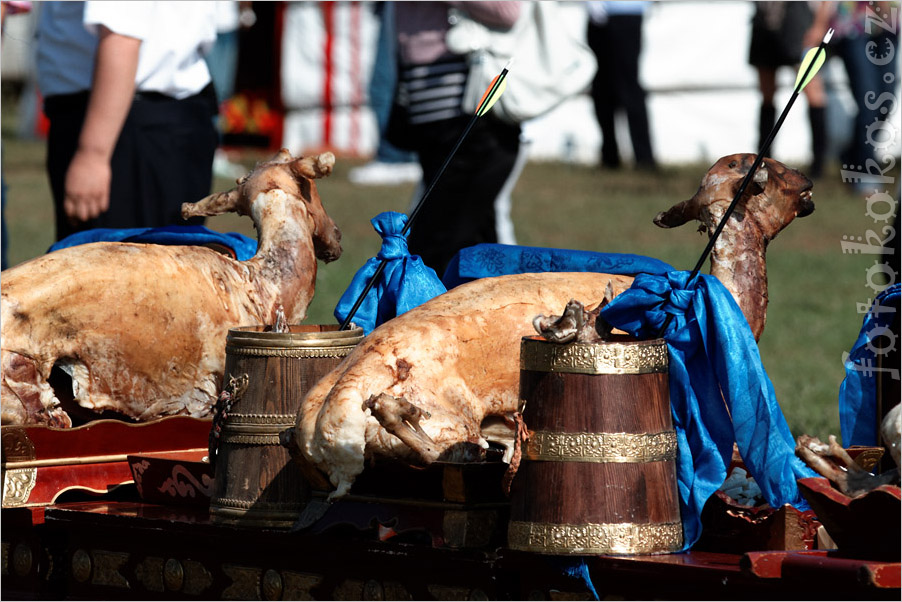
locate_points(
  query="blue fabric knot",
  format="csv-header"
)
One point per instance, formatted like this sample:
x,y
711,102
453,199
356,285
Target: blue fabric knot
x,y
719,391
405,281
662,297
679,300
389,226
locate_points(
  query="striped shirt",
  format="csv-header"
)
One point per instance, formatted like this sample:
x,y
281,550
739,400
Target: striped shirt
x,y
433,92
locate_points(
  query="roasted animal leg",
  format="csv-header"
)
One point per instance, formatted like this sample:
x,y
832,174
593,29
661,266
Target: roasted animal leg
x,y
402,419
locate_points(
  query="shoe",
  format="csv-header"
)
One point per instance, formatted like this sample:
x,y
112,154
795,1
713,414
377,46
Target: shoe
x,y
224,168
378,173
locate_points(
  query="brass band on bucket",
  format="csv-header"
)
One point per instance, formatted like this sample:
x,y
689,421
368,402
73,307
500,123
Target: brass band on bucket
x,y
601,447
251,341
635,357
255,429
289,352
593,538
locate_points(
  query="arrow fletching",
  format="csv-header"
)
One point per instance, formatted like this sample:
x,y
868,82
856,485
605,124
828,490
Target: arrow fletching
x,y
812,63
815,58
491,96
494,91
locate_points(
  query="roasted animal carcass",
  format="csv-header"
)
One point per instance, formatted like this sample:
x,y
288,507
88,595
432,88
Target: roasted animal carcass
x,y
428,383
432,375
140,328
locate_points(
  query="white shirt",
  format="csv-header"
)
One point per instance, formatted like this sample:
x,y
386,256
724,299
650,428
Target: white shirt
x,y
174,36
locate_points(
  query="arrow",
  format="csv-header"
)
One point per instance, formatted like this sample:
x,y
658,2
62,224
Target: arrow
x,y
489,98
813,61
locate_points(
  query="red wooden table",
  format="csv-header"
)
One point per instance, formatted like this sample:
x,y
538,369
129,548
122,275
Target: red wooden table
x,y
129,549
432,534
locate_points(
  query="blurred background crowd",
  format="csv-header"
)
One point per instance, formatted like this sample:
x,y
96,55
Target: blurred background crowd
x,y
302,72
675,83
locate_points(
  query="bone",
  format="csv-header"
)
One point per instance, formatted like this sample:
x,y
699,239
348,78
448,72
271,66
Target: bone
x,y
402,419
833,462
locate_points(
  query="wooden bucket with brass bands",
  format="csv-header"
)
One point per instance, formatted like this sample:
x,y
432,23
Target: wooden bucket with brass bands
x,y
598,474
256,482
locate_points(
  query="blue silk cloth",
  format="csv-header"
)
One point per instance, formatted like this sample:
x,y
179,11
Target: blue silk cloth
x,y
404,283
858,392
243,247
492,259
719,391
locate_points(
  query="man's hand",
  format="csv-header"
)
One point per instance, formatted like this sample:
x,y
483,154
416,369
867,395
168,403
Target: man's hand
x,y
89,174
87,186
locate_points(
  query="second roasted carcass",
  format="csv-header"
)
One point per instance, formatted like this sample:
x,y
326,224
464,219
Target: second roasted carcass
x,y
140,329
429,383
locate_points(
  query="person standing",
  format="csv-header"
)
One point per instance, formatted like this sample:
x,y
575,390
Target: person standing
x,y
130,104
776,41
615,36
428,118
390,165
868,52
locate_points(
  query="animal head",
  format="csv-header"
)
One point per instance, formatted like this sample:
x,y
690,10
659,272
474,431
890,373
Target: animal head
x,y
775,196
295,177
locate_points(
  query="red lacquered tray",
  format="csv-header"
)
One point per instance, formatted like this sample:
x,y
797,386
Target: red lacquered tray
x,y
40,463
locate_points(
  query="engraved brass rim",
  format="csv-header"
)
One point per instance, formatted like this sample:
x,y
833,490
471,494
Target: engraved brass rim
x,y
261,420
264,438
632,357
595,538
252,339
601,447
256,429
303,352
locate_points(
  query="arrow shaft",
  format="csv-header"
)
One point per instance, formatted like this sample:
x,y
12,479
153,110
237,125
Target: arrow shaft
x,y
439,173
487,100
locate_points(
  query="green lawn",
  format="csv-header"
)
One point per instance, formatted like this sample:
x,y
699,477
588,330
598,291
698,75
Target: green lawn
x,y
814,287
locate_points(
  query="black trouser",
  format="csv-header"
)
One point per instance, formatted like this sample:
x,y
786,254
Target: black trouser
x,y
163,158
460,210
617,46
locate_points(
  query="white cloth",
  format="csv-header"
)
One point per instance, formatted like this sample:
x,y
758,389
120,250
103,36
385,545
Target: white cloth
x,y
174,36
228,15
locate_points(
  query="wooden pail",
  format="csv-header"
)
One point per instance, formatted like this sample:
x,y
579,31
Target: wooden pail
x,y
598,474
256,482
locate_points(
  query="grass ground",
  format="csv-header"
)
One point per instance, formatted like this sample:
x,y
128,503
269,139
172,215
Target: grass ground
x,y
814,287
